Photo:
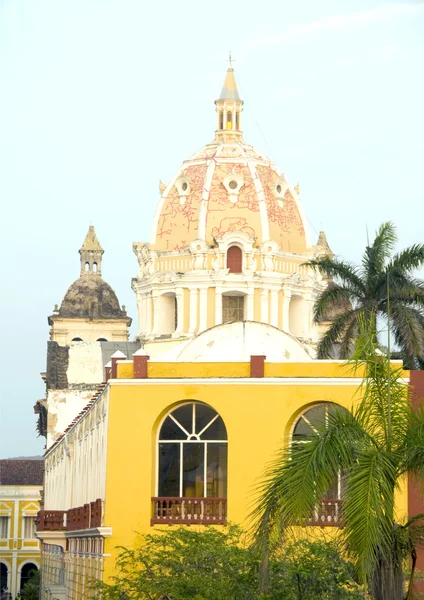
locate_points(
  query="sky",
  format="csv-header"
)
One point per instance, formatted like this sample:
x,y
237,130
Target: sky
x,y
100,100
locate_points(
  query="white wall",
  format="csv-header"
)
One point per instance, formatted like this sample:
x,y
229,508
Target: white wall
x,y
75,470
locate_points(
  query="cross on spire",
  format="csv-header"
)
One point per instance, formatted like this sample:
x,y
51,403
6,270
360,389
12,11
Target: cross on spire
x,y
230,59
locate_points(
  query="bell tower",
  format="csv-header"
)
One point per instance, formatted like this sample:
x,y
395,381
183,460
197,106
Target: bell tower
x,y
91,254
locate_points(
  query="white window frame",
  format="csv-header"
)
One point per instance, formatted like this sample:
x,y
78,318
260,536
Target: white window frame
x,y
197,440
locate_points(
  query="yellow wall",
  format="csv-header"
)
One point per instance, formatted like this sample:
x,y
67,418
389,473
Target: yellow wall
x,y
258,414
258,420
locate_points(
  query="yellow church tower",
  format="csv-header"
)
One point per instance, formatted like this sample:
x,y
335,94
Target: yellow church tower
x,y
229,242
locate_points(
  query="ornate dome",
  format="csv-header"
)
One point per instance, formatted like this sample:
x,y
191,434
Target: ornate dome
x,y
226,187
89,297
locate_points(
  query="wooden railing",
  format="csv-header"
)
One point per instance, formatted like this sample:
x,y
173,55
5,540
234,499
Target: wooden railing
x,y
328,513
189,511
81,517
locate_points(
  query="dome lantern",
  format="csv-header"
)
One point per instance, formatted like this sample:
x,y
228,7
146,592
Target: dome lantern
x,y
91,254
229,108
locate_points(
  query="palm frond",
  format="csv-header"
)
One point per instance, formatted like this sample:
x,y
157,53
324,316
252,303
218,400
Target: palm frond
x,y
341,270
414,443
407,325
302,474
331,298
334,333
368,507
407,260
376,256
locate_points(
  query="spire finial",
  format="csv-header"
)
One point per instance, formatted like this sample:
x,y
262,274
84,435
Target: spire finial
x,y
230,59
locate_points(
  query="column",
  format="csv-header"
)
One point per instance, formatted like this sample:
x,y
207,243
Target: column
x,y
155,296
148,313
307,318
264,306
286,311
218,305
274,308
143,313
179,294
193,311
250,299
203,322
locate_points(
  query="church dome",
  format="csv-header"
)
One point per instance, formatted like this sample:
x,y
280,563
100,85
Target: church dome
x,y
90,297
227,187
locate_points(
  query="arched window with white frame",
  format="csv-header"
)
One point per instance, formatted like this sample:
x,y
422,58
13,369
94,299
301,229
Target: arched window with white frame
x,y
313,422
192,466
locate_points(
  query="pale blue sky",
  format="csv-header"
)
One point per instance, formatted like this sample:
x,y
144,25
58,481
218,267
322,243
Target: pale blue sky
x,y
101,99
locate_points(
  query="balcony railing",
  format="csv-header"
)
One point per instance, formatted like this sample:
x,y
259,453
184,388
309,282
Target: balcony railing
x,y
189,511
82,517
51,520
328,513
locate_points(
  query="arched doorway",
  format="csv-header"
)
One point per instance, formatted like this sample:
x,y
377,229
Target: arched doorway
x,y
26,572
3,576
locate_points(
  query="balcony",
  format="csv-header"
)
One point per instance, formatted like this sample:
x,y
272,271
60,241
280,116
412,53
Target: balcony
x,y
51,520
87,516
327,514
189,511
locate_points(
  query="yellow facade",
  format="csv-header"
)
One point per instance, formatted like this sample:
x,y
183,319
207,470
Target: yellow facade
x,y
258,414
19,548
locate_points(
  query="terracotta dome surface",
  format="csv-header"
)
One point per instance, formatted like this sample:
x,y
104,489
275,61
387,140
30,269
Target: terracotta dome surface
x,y
90,297
208,211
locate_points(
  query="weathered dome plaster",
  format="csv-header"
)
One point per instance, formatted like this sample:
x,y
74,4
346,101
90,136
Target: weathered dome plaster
x,y
239,341
90,297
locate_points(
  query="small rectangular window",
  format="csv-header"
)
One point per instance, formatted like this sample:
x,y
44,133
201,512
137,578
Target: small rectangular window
x,y
4,522
232,308
29,528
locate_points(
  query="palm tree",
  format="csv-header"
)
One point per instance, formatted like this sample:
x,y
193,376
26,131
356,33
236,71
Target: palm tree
x,y
364,290
373,447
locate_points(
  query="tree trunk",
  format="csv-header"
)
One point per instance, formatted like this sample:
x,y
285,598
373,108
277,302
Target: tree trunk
x,y
387,580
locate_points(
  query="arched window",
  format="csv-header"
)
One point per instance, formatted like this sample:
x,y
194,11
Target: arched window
x,y
77,339
95,267
234,259
3,576
192,453
237,121
229,120
102,340
309,424
27,571
87,267
221,119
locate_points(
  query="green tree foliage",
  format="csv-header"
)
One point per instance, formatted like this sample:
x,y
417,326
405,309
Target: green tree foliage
x,y
374,446
365,289
31,589
216,564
